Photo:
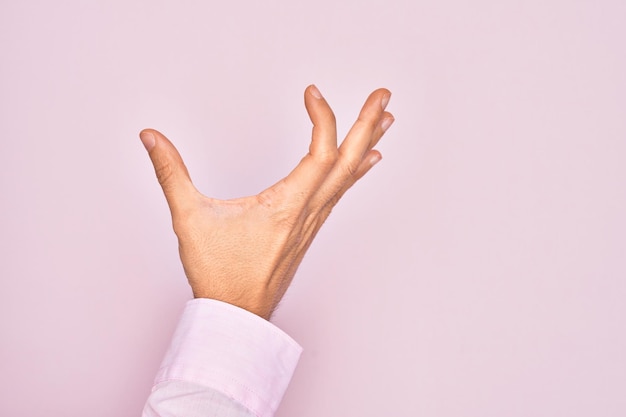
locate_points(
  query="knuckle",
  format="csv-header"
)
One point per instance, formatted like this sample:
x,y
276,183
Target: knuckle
x,y
351,167
164,173
328,157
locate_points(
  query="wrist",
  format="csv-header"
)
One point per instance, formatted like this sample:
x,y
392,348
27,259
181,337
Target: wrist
x,y
260,307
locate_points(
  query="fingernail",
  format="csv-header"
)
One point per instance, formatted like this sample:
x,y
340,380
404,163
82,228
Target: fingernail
x,y
386,123
385,100
148,140
375,159
316,93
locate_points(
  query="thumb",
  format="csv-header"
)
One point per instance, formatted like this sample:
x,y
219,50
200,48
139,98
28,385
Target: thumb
x,y
170,170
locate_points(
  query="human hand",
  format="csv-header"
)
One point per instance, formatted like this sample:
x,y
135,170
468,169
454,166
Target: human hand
x,y
246,251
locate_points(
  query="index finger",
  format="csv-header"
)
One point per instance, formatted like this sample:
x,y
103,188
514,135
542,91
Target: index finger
x,y
304,180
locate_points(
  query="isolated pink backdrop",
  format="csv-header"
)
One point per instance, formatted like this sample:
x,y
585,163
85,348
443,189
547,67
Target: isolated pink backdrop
x,y
478,270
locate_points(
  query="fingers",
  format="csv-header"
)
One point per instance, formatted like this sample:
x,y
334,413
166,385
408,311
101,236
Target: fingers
x,y
327,172
361,136
306,178
355,153
324,137
386,121
170,170
370,159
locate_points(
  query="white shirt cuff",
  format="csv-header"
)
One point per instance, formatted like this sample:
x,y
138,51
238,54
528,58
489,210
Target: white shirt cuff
x,y
233,351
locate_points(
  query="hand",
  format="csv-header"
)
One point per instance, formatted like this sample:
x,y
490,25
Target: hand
x,y
246,251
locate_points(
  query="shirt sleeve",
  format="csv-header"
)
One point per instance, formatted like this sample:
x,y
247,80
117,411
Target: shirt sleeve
x,y
223,361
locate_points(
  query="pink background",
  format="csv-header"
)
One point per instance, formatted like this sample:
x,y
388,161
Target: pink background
x,y
478,270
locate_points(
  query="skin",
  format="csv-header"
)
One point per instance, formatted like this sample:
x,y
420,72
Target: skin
x,y
246,251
